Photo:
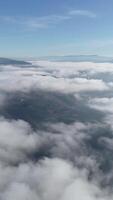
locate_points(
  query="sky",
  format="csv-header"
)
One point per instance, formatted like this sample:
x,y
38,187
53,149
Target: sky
x,y
34,28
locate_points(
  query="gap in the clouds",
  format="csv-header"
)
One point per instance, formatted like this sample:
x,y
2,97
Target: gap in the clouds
x,y
38,107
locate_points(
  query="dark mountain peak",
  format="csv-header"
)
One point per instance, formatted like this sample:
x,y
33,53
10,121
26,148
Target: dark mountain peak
x,y
8,61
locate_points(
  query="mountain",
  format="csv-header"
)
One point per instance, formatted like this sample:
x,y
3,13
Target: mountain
x,y
80,58
7,61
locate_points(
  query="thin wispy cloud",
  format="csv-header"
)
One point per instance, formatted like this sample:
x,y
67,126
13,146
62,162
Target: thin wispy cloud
x,y
84,13
46,21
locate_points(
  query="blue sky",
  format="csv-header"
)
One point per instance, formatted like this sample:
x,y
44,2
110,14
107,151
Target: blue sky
x,y
32,28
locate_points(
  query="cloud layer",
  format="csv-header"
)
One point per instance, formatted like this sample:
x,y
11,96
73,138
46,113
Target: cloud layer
x,y
56,132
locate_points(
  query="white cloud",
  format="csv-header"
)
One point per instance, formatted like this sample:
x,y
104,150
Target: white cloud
x,y
84,13
17,140
19,191
38,180
53,76
104,104
45,21
50,179
65,174
75,67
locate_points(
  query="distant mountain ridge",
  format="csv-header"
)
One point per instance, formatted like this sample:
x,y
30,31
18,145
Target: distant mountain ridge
x,y
80,58
8,61
67,58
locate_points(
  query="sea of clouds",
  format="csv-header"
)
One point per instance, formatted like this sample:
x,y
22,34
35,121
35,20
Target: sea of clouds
x,y
56,131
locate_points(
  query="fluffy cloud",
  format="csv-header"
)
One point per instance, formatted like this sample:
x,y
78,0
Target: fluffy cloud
x,y
105,104
69,67
17,141
56,80
56,160
22,178
50,179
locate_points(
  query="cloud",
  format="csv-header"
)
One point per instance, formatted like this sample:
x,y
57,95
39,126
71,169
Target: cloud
x,y
69,155
17,141
75,67
84,13
37,181
105,104
24,177
45,21
54,76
